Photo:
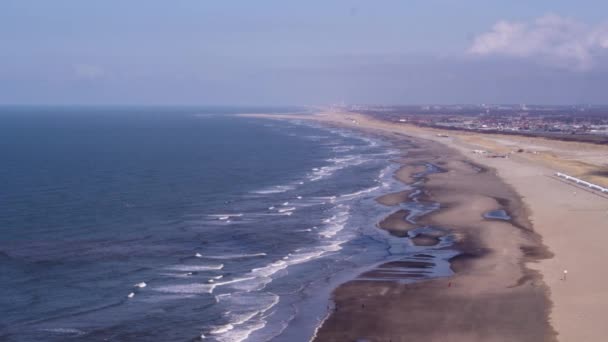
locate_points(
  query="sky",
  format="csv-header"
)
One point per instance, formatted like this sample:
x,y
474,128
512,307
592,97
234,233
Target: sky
x,y
262,52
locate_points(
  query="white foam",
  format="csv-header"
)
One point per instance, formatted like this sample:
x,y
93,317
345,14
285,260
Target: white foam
x,y
341,149
222,329
359,193
235,256
141,285
337,164
225,215
195,268
176,275
246,314
71,331
277,189
293,259
284,210
270,269
239,335
131,295
336,223
197,288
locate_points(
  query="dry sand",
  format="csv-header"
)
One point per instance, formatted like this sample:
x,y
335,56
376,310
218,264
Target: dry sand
x,y
506,280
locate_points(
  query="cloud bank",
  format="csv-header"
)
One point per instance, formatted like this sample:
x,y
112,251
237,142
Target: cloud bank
x,y
550,39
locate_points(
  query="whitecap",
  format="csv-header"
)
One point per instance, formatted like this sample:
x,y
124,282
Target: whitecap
x,y
197,288
246,314
195,268
222,329
227,218
277,189
361,192
70,331
235,256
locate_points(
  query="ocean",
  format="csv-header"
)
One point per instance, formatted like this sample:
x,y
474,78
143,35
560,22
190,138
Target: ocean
x,y
182,224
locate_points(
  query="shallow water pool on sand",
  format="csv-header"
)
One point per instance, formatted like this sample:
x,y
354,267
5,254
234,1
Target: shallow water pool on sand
x,y
499,214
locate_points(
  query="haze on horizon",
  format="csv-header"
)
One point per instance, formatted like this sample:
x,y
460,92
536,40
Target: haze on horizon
x,y
193,52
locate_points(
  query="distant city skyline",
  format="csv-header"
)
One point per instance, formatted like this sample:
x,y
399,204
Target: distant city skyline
x,y
69,52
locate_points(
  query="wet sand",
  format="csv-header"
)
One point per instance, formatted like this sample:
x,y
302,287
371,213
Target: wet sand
x,y
492,296
507,285
394,198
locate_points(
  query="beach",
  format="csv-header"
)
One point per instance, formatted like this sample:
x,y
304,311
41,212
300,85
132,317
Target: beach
x,y
509,282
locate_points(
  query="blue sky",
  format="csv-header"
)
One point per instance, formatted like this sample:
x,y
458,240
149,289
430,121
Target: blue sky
x,y
306,52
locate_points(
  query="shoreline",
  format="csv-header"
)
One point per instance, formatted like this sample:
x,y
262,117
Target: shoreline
x,y
543,206
468,305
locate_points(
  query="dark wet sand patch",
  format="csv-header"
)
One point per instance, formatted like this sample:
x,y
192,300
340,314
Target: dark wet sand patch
x,y
390,276
408,264
394,198
396,223
425,240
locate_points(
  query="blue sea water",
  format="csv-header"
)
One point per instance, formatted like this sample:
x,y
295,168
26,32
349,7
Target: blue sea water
x,y
180,224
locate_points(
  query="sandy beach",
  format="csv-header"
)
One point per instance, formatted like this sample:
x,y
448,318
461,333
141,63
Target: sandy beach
x,y
509,282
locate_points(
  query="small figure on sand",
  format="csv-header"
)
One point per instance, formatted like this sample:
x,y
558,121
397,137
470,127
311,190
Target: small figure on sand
x,y
565,274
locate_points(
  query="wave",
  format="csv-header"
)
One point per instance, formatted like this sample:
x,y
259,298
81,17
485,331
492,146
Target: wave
x,y
336,223
245,315
223,215
197,288
70,331
237,335
342,149
195,268
234,256
263,275
359,193
277,189
340,163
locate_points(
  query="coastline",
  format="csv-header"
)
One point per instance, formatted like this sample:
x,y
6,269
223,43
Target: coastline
x,y
490,277
522,270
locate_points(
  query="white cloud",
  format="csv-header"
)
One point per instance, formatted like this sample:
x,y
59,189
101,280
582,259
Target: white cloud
x,y
88,72
549,39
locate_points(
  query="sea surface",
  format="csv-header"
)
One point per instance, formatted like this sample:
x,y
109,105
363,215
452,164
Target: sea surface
x,y
182,224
